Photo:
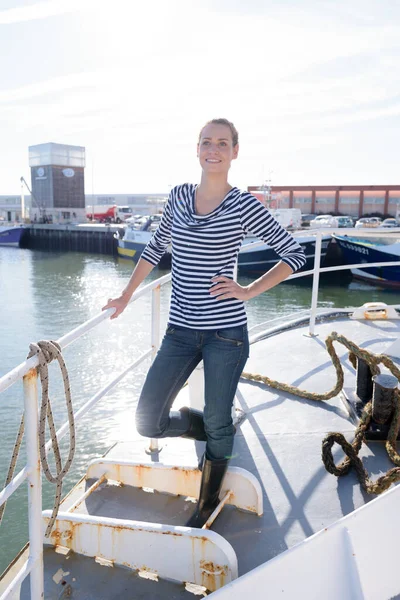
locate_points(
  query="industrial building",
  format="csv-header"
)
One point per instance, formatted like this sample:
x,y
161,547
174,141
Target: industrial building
x,y
353,200
58,194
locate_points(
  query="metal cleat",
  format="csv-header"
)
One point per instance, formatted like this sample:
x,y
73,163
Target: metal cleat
x,y
375,310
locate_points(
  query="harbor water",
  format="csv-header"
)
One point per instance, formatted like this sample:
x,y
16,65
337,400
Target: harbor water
x,y
44,295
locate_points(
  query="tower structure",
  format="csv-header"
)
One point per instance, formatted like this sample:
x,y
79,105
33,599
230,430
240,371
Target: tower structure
x,y
58,190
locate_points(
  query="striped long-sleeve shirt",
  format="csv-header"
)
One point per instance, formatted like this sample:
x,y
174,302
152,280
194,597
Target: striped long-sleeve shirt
x,y
205,246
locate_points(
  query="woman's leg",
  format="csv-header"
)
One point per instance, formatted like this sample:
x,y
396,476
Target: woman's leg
x,y
225,355
178,356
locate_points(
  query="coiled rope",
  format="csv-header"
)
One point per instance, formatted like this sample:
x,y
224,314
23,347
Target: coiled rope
x,y
48,351
351,450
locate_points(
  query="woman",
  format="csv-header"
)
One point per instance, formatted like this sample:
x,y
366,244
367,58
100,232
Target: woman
x,y
207,321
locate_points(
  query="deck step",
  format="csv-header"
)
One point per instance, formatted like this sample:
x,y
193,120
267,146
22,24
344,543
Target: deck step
x,y
183,481
183,554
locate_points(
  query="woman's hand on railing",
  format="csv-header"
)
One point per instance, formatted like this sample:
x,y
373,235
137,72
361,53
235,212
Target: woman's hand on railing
x,y
118,303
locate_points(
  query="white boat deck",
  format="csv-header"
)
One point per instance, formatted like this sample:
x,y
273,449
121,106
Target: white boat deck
x,y
279,441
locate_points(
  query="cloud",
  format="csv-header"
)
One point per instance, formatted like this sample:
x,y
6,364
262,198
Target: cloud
x,y
43,10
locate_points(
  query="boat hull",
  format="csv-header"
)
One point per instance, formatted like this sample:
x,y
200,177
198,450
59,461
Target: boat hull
x,y
132,250
11,236
263,258
356,251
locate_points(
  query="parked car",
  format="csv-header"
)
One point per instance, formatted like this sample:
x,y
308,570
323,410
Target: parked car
x,y
324,221
368,222
305,220
345,221
391,223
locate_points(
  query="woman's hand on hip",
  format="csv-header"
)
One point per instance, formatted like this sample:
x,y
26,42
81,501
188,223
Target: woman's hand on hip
x,y
228,288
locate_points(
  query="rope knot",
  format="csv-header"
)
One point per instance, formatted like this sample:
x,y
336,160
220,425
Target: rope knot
x,y
48,350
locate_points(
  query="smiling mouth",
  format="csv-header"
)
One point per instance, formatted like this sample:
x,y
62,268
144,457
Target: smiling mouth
x,y
212,160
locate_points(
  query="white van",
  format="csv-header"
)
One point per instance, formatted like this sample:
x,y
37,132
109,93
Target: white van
x,y
289,218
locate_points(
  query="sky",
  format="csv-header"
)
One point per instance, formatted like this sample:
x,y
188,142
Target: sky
x,y
313,88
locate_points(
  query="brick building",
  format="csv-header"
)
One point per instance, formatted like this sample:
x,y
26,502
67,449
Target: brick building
x,y
354,200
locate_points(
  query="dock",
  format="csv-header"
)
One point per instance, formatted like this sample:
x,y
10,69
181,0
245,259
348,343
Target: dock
x,y
88,237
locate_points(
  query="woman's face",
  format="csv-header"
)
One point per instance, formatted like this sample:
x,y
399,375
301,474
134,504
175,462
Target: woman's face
x,y
215,149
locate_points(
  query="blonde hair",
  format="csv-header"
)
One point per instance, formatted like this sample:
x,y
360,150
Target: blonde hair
x,y
234,131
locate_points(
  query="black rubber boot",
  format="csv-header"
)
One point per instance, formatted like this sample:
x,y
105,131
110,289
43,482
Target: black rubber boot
x,y
213,474
196,424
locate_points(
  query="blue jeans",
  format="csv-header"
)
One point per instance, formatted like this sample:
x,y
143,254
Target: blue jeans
x,y
224,353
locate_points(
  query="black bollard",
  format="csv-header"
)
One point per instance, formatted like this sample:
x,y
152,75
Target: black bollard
x,y
363,381
383,397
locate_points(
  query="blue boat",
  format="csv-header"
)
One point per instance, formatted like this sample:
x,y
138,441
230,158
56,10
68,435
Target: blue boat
x,y
386,248
10,235
260,259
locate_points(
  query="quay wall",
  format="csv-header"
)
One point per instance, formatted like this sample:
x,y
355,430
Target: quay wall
x,y
94,238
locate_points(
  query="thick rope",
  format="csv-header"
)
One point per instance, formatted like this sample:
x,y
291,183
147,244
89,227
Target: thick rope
x,y
13,461
48,351
351,450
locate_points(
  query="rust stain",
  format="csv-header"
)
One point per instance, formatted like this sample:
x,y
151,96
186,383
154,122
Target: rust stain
x,y
56,537
213,576
183,470
213,580
31,375
213,569
63,538
140,471
377,314
148,570
118,528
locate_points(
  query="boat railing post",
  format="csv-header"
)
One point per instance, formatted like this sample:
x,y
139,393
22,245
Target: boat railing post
x,y
34,484
315,286
235,405
235,271
155,344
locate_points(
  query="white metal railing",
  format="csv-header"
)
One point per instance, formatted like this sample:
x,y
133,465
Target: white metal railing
x,y
32,471
27,372
317,269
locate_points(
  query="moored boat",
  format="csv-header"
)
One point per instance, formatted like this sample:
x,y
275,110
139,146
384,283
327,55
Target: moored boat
x,y
380,249
261,258
133,240
10,235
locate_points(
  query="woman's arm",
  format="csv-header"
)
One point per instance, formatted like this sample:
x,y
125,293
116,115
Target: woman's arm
x,y
151,256
257,219
140,272
227,288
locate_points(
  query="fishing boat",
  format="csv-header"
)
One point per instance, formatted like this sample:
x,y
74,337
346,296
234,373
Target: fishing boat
x,y
288,526
10,235
134,238
384,248
256,259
